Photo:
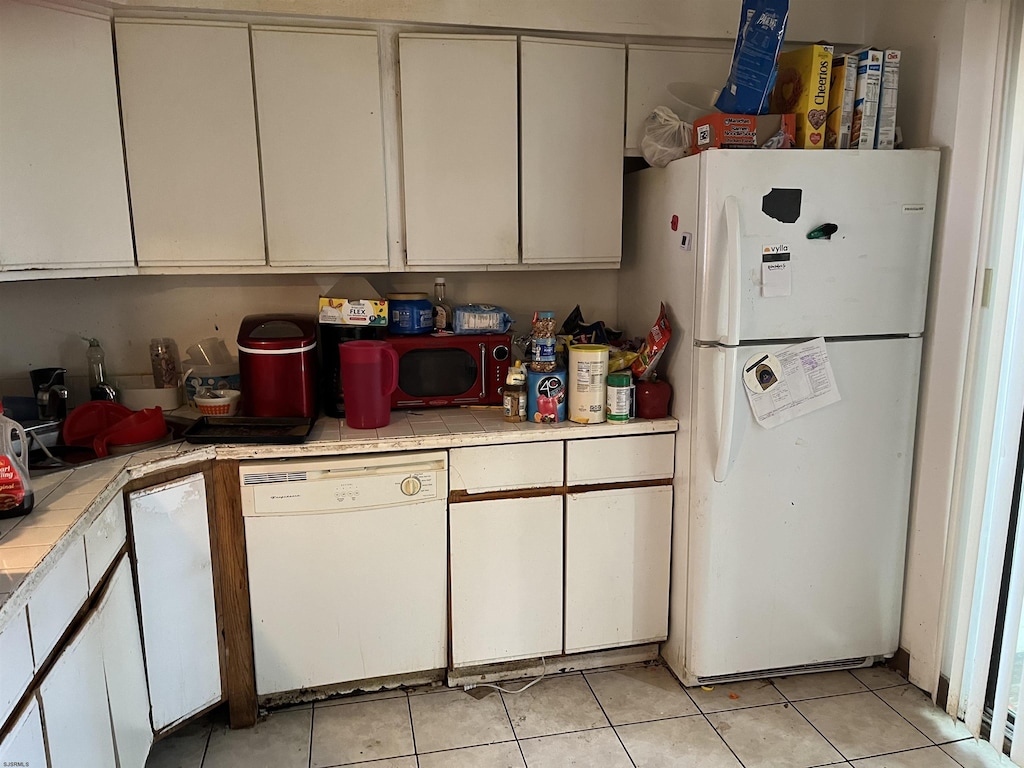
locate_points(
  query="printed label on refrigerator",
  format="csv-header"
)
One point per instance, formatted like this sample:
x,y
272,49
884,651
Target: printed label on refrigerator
x,y
791,383
776,271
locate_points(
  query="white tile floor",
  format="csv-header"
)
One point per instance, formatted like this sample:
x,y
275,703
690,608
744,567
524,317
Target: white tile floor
x,y
629,717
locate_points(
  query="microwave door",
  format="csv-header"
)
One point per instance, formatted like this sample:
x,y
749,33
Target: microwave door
x,y
439,376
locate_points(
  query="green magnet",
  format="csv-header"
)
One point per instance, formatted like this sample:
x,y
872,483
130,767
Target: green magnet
x,y
824,232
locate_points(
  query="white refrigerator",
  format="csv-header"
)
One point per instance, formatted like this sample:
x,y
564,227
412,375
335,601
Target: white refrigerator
x,y
788,540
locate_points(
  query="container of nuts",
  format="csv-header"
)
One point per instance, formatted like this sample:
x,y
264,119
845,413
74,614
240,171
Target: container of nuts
x,y
542,359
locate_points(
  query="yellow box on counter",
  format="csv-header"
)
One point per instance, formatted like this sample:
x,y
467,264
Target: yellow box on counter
x,y
802,88
338,307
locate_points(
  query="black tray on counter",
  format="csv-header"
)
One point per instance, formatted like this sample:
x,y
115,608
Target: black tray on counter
x,y
249,429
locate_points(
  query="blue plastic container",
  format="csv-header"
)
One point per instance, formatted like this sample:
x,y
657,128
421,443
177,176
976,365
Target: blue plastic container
x,y
410,313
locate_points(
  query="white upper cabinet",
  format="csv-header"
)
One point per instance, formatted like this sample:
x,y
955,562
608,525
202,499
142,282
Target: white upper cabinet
x,y
677,78
460,149
321,145
572,103
63,199
190,138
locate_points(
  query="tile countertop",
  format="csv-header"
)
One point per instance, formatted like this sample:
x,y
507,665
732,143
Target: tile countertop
x,y
67,501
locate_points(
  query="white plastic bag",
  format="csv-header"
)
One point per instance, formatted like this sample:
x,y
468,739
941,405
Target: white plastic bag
x,y
666,137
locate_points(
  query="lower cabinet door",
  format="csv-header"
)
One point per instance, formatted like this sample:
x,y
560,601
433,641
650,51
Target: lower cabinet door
x,y
24,746
74,696
171,532
125,671
617,551
506,579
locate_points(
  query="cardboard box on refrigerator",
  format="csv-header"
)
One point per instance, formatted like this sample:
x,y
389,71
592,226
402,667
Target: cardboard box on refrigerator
x,y
802,87
723,131
841,94
353,301
865,103
885,134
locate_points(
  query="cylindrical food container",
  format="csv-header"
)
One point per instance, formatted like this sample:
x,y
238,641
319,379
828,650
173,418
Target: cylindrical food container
x,y
277,362
588,368
620,400
410,313
545,396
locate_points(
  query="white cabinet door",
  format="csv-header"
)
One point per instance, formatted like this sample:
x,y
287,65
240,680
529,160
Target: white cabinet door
x,y
56,600
620,459
617,551
63,197
321,146
190,138
24,745
171,533
660,76
572,102
124,670
104,539
506,579
460,149
16,657
74,696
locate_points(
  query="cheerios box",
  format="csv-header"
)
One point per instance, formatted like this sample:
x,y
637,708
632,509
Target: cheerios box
x,y
801,87
353,301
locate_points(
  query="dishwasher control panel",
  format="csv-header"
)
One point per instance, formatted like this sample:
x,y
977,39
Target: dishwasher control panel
x,y
342,484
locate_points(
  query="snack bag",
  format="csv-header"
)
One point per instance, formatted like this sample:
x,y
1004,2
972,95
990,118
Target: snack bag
x,y
758,41
653,347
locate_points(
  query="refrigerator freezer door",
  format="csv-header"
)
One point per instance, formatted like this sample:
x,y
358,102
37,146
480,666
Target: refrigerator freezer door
x,y
870,278
796,557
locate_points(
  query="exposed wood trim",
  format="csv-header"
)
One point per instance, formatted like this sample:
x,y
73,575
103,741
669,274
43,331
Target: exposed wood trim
x,y
458,497
231,587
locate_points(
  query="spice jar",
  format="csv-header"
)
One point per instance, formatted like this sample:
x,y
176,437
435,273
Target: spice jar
x,y
163,358
543,342
513,397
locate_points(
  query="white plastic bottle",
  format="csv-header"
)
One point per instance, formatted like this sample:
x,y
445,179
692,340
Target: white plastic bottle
x,y
16,496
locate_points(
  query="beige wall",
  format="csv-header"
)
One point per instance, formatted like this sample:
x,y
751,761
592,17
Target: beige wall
x,y
45,320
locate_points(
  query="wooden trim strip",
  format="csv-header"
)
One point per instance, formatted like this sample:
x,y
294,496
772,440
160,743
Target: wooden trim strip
x,y
231,585
458,497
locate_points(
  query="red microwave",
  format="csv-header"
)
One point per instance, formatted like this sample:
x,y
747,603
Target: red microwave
x,y
450,370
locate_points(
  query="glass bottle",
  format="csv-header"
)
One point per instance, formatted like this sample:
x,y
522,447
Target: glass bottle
x,y
443,316
513,396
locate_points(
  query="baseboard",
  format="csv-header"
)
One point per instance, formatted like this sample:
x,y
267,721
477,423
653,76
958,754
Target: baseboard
x,y
516,670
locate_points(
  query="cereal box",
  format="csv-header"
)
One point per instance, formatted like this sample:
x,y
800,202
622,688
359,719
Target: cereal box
x,y
865,103
885,135
840,102
802,88
722,131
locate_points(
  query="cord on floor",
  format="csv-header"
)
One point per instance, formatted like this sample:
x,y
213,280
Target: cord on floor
x,y
543,672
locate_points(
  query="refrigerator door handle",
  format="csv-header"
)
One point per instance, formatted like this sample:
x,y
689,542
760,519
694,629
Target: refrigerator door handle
x,y
728,411
733,243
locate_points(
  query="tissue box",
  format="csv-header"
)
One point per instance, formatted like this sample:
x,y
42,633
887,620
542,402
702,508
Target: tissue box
x,y
724,131
353,301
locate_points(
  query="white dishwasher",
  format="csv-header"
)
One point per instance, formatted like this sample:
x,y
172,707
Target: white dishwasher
x,y
347,567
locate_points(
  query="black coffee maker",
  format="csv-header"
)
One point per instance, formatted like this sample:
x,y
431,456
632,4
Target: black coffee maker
x,y
331,337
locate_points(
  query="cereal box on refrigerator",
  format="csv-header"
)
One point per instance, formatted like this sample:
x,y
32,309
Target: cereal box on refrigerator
x,y
840,101
802,88
865,104
885,135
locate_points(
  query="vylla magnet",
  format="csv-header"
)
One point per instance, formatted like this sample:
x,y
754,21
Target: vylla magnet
x,y
761,372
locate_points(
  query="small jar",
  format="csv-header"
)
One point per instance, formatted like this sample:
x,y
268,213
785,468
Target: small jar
x,y
543,343
513,396
620,400
164,359
410,313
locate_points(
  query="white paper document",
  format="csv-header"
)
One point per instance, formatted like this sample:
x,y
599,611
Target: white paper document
x,y
791,383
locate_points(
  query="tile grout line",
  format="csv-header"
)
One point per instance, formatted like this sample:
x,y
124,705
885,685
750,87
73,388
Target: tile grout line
x,y
312,721
206,746
412,729
808,721
512,726
603,712
890,706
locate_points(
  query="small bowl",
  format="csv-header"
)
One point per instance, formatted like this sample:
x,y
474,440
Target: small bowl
x,y
224,402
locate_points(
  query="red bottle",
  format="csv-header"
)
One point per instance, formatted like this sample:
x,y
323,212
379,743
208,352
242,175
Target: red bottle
x,y
652,399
